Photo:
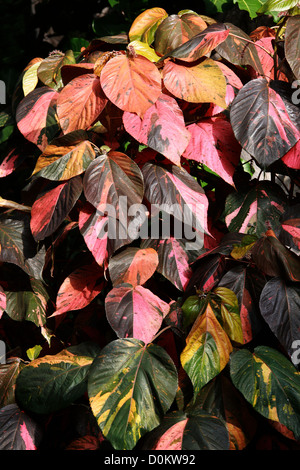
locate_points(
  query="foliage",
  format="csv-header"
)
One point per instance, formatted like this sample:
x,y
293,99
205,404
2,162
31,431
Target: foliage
x,y
130,339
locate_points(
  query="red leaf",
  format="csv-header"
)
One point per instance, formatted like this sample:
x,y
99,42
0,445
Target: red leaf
x,y
32,112
80,102
132,84
52,206
135,312
70,71
162,128
292,157
12,161
79,289
213,144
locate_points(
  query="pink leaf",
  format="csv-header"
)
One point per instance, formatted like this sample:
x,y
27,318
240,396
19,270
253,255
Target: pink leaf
x,y
213,144
162,128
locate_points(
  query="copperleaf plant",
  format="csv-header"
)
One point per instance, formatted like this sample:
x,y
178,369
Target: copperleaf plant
x,y
150,241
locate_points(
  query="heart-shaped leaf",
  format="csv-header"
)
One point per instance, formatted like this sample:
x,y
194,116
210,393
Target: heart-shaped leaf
x,y
135,312
162,128
122,396
133,84
201,83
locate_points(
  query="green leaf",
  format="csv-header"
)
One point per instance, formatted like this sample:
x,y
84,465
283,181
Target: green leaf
x,y
49,70
270,382
28,305
230,313
251,6
277,5
51,383
130,387
217,6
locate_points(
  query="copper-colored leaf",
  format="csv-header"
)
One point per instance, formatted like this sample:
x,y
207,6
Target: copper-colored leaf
x,y
80,102
132,83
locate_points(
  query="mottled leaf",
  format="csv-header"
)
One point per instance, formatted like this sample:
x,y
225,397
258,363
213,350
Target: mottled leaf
x,y
53,205
247,285
145,25
111,177
258,209
49,71
79,288
133,266
207,350
53,382
8,375
193,430
238,49
32,114
80,103
274,259
18,430
162,128
176,30
17,243
173,260
175,191
261,122
292,44
201,83
137,385
200,44
213,144
133,84
65,158
270,382
135,312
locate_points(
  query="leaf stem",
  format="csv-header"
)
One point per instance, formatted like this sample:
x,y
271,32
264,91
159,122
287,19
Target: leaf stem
x,y
252,42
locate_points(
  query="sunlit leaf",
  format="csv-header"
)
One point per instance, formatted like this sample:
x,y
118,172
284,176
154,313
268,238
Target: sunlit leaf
x,y
49,70
200,44
213,144
30,78
201,83
79,288
162,128
65,158
80,103
261,122
133,84
32,114
145,25
175,30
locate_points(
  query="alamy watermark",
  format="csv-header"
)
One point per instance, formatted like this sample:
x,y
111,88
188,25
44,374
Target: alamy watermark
x,y
2,92
183,222
2,352
296,93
